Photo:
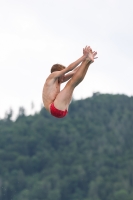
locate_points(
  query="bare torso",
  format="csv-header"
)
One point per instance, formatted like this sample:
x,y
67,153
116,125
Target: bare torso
x,y
50,91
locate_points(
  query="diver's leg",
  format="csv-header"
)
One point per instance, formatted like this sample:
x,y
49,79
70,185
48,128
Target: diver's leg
x,y
63,99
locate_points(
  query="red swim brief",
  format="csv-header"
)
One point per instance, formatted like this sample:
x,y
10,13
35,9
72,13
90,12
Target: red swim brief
x,y
57,113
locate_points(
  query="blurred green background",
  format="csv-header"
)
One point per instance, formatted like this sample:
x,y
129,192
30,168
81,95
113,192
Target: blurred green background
x,y
86,156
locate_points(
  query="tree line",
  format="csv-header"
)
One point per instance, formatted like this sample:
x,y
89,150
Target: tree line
x,y
87,155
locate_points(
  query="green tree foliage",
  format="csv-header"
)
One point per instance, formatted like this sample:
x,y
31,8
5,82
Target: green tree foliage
x,y
88,155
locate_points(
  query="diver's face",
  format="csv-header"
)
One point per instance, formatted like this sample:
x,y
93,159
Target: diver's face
x,y
61,78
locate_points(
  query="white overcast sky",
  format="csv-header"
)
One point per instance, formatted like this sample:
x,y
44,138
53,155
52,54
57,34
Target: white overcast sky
x,y
35,34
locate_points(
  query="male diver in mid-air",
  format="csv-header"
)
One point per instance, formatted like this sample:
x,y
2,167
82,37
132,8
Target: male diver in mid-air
x,y
56,101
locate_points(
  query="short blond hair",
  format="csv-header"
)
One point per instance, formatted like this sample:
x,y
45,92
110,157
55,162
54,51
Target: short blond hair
x,y
57,67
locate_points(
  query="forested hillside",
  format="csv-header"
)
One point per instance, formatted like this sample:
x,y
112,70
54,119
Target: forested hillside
x,y
86,156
